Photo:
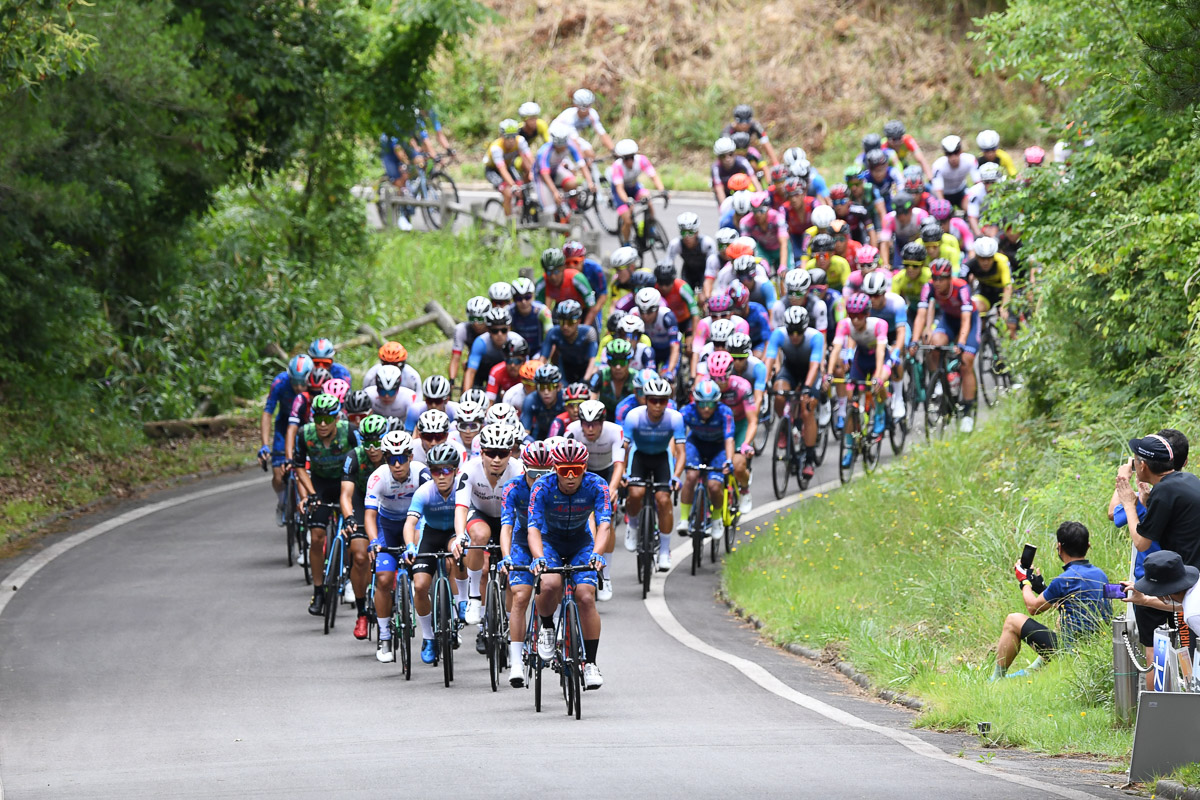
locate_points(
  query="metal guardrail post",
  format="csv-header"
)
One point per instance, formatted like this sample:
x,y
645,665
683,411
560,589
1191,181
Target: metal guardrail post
x,y
1126,677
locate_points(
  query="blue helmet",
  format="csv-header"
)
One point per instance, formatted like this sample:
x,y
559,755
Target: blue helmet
x,y
321,348
299,368
706,391
642,377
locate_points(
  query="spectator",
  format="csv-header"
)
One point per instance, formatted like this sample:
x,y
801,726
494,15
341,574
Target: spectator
x,y
1168,585
1173,509
1078,594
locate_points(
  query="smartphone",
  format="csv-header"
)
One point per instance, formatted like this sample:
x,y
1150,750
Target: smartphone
x,y
1027,555
1114,591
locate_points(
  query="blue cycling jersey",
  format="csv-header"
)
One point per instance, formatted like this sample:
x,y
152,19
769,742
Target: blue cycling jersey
x,y
760,324
530,325
763,293
595,274
652,438
279,400
562,517
624,406
573,357
514,509
894,312
756,372
810,349
432,508
714,430
536,416
341,371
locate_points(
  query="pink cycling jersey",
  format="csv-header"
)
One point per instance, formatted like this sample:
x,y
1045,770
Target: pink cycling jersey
x,y
854,282
629,175
768,237
955,304
868,337
962,232
739,396
701,335
888,229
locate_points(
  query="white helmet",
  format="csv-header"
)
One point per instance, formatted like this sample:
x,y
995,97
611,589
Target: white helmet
x,y
726,236
501,412
741,202
469,411
387,378
583,98
497,436
687,221
500,292
988,140
529,109
797,281
648,299
793,154
474,395
986,247
876,283
795,317
746,241
477,307
622,257
433,421
989,173
723,146
523,286
632,323
823,217
560,135
625,147
591,410
720,330
396,443
951,144
800,168
435,386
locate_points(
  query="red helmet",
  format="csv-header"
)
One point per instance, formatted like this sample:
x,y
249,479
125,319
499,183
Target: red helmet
x,y
575,392
574,250
739,182
838,191
536,456
857,303
719,364
940,267
569,453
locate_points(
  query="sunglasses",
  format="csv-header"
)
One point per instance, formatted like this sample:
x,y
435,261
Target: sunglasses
x,y
398,460
547,387
618,362
324,419
857,316
722,314
323,362
941,277
591,423
435,401
392,393
515,362
706,404
913,264
736,356
536,473
433,437
569,470
522,297
795,331
554,270
497,330
688,231
496,453
841,202
469,427
656,401
371,444
442,471
475,320
574,403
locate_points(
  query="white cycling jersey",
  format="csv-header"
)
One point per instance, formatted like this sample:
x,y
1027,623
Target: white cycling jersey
x,y
588,122
409,378
390,497
725,276
397,408
476,492
977,199
470,453
608,447
419,449
952,180
515,395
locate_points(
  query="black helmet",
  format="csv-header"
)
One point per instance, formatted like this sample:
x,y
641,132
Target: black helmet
x,y
913,251
741,140
743,113
931,231
641,279
872,141
903,202
516,347
894,129
822,243
665,272
875,157
613,320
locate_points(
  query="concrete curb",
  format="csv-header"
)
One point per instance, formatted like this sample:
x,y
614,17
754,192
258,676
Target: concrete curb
x,y
1175,791
843,667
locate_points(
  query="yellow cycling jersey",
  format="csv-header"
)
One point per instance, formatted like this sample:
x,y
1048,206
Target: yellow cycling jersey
x,y
502,150
539,137
911,290
950,249
999,276
837,271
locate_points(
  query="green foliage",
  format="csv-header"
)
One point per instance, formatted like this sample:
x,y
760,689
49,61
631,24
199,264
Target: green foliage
x,y
39,41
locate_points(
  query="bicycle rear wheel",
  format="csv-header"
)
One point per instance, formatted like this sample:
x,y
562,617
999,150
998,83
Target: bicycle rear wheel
x,y
493,210
897,431
985,363
822,440
404,616
445,630
697,522
491,629
290,518
781,457
573,649
605,211
438,184
846,465
648,543
937,409
332,584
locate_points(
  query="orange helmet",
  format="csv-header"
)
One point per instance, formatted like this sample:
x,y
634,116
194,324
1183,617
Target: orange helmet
x,y
739,182
738,249
393,353
527,370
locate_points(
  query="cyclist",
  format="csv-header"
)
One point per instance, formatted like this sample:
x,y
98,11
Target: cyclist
x,y
794,355
992,274
743,254
738,394
952,171
429,528
748,366
797,212
516,394
435,393
361,462
605,442
433,428
466,332
718,340
749,271
1034,157
892,309
500,294
357,407
637,398
558,165
958,319
507,373
611,380
835,304
286,386
301,413
727,165
574,396
909,281
560,504
530,318
843,245
990,153
880,174
398,153
837,269
744,122
678,296
914,184
698,253
321,449
758,321
977,197
797,285
508,162
904,145
865,205
488,351
943,212
581,118
627,188
938,243
625,262
575,257
395,354
866,263
514,520
868,337
559,283
569,344
815,185
769,230
900,226
720,306
633,330
533,129
710,431
466,427
545,404
389,399
662,329
653,429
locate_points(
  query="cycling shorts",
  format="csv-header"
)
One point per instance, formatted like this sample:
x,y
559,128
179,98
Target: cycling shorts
x,y
278,442
432,540
493,177
563,173
359,502
639,193
862,365
951,327
392,533
956,198
492,522
574,552
987,296
520,558
772,257
785,374
1043,640
327,491
685,330
712,454
651,467
739,432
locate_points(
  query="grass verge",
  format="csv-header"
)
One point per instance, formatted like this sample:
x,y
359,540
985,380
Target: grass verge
x,y
908,575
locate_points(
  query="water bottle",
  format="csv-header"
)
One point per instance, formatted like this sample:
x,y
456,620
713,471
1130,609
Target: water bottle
x,y
797,444
955,378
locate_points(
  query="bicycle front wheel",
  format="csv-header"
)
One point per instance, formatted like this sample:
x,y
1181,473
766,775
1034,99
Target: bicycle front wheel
x,y
333,577
781,457
291,522
445,630
937,409
648,544
573,661
403,630
763,434
697,523
985,363
491,629
605,211
846,455
438,185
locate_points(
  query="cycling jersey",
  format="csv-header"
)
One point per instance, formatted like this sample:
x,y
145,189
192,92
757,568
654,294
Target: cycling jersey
x,y
324,460
432,508
515,396
1003,159
757,132
357,468
702,329
753,370
474,491
837,271
649,437
892,180
485,355
558,426
552,161
766,236
279,400
574,286
536,416
663,331
861,222
391,498
991,283
901,233
818,314
629,175
574,356
624,406
798,216
956,303
505,151
865,340
907,146
763,293
681,300
603,386
396,409
419,407
536,137
699,262
464,336
977,200
532,326
514,508
725,277
711,432
910,290
721,174
796,358
594,272
608,448
589,121
301,413
855,281
894,313
738,396
835,306
759,323
561,517
409,377
499,380
951,180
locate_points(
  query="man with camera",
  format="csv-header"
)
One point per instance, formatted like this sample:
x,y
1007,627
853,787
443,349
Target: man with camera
x,y
1172,515
1078,594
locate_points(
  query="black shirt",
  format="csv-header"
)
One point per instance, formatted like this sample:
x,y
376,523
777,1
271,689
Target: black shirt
x,y
1173,516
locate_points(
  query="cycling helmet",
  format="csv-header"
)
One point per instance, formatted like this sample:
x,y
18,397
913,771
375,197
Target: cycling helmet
x,y
372,426
988,140
796,317
324,404
893,129
569,452
720,331
744,267
852,172
705,391
800,169
760,201
857,303
395,443
387,378
568,311
591,411
433,421
435,387
358,403
741,140
822,243
560,135
903,203
497,316
509,127
719,365
632,324
618,349
665,272
614,319
393,353
576,392
779,172
321,348
318,378
931,231
443,455
477,307
658,388
529,109
474,396
875,158
687,222
1034,155
818,276
719,304
642,377
743,112
642,279
500,292
501,412
738,249
625,148
517,347
648,300
469,412
793,154
739,294
573,249
622,257
838,191
989,173
739,344
793,185
823,217
868,256
913,173
913,251
839,228
940,267
940,209
547,375
738,182
986,247
583,98
536,457
797,282
552,258
951,145
741,202
496,436
872,141
526,371
723,146
875,284
299,368
336,387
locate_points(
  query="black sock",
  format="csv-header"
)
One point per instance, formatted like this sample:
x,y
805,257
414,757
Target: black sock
x,y
360,603
810,455
590,646
547,622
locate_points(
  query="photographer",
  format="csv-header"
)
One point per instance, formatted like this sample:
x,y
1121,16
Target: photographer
x,y
1173,510
1168,585
1078,594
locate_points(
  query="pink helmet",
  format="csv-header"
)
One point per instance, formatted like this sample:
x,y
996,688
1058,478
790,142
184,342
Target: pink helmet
x,y
336,387
574,249
720,303
940,209
857,303
739,294
867,255
569,452
1034,155
719,364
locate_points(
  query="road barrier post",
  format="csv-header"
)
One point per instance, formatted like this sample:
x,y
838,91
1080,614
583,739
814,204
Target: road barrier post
x,y
1126,676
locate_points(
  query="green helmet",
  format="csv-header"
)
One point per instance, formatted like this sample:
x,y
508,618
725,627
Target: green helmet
x,y
852,171
619,349
552,258
509,127
373,426
326,404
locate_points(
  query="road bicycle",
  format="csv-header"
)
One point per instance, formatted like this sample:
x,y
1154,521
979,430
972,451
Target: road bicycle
x,y
573,200
337,572
334,523
569,659
728,515
297,541
446,622
647,531
403,615
525,205
649,235
859,438
428,182
495,617
993,373
942,386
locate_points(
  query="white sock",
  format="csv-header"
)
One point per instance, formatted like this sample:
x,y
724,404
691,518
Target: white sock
x,y
460,590
842,405
426,622
514,652
664,542
385,627
473,578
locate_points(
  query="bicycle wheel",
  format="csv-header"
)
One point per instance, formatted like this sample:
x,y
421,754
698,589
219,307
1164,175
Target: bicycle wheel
x,y
291,519
444,630
897,430
491,627
493,210
872,449
912,396
333,576
656,240
696,525
305,554
404,616
385,198
846,465
781,456
763,434
937,409
985,362
438,185
822,439
605,211
573,648
649,544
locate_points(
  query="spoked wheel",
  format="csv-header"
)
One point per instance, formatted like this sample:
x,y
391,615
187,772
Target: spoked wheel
x,y
937,409
912,398
872,451
492,632
291,523
305,553
846,465
823,437
897,431
985,360
404,616
649,546
332,583
493,210
438,184
735,518
696,523
656,240
573,669
762,435
445,633
781,457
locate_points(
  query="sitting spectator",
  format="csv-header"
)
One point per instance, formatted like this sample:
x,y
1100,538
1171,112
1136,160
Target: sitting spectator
x,y
1078,594
1168,585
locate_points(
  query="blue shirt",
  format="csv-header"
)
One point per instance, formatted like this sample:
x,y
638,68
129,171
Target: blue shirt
x,y
432,509
624,406
595,275
514,508
1121,520
1080,589
536,416
563,517
337,370
756,373
810,349
651,437
573,357
760,324
530,325
714,430
279,400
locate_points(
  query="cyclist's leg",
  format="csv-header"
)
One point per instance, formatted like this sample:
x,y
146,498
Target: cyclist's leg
x,y
783,383
360,561
385,587
637,494
423,571
687,492
324,491
624,215
520,590
278,468
970,348
479,528
551,586
661,473
741,464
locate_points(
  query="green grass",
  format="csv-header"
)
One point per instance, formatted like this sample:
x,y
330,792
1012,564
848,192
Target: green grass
x,y
908,575
1188,775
